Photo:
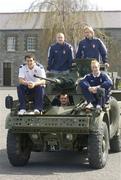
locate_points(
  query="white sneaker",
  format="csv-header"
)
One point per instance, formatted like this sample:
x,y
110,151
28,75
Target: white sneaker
x,y
99,107
89,106
84,103
36,111
21,112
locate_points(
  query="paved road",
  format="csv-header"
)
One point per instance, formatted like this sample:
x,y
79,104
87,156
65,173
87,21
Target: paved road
x,y
52,166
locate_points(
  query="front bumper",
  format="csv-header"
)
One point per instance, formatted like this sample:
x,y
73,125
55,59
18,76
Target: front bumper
x,y
25,124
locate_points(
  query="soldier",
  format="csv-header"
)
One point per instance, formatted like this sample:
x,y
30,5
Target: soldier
x,y
91,47
60,55
96,87
31,85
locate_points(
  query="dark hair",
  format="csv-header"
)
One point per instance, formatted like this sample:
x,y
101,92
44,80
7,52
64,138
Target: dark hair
x,y
29,56
63,94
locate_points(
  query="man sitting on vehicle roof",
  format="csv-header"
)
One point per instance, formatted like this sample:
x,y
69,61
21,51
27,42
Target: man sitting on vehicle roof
x,y
96,87
28,84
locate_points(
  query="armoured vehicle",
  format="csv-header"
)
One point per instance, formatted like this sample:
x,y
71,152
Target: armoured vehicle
x,y
71,127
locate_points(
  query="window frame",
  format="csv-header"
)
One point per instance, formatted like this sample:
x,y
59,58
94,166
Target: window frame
x,y
11,43
31,43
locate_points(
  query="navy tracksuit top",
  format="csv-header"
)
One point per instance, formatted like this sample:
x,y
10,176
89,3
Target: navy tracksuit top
x,y
92,48
103,80
60,57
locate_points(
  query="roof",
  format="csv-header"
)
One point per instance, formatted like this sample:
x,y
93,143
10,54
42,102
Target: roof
x,y
104,19
35,20
21,21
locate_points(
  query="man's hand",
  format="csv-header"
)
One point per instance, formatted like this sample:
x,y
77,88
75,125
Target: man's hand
x,y
107,65
93,89
31,85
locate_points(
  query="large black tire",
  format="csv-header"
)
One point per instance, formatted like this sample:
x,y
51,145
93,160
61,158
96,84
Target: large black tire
x,y
18,148
115,142
98,145
9,102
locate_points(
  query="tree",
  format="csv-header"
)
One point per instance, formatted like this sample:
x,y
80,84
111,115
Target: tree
x,y
69,17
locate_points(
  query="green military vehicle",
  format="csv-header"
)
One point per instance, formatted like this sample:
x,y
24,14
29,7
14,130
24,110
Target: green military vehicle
x,y
70,128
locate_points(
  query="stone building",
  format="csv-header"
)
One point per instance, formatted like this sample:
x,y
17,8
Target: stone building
x,y
20,35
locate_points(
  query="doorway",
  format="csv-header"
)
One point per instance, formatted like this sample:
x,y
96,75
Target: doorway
x,y
7,74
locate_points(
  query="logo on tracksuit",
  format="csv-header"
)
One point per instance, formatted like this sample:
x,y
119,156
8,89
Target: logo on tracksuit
x,y
93,45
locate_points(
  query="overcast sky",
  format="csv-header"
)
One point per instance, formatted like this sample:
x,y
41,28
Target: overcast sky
x,y
21,5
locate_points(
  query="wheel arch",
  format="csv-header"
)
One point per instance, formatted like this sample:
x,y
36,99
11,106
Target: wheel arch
x,y
114,114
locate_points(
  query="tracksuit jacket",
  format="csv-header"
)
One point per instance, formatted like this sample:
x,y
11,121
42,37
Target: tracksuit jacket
x,y
92,49
60,57
90,80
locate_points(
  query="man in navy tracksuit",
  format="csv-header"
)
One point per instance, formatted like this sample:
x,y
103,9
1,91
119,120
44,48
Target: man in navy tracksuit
x,y
91,47
60,55
96,87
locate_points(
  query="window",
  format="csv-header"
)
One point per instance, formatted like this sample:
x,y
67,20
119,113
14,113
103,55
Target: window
x,y
31,43
11,43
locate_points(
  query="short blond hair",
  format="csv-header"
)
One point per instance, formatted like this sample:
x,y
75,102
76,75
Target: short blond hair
x,y
59,33
93,62
89,28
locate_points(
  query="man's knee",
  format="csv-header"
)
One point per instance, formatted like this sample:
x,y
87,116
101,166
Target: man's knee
x,y
100,93
37,87
39,90
21,87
